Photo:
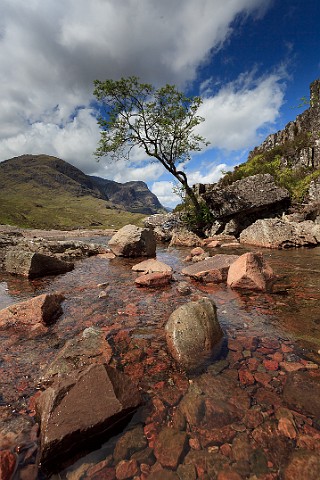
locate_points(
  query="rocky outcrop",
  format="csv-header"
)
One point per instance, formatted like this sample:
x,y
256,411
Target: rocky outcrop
x,y
251,272
278,233
82,410
132,241
212,270
193,333
301,136
238,205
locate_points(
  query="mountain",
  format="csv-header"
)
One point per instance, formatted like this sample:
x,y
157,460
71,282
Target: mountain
x,y
41,191
132,196
291,155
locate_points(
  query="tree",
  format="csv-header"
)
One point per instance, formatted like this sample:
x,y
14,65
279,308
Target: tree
x,y
160,121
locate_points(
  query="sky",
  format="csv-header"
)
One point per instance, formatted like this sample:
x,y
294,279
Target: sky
x,y
250,60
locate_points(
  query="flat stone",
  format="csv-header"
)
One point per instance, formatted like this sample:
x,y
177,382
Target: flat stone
x,y
154,280
152,265
81,411
214,269
170,446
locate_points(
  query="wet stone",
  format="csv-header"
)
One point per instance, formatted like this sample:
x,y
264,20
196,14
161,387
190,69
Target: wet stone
x,y
131,442
303,464
7,464
170,447
187,472
126,469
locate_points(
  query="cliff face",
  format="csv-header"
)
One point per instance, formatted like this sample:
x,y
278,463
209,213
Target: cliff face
x,y
301,137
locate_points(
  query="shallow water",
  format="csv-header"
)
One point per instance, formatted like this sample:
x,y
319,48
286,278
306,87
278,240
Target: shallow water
x,y
293,312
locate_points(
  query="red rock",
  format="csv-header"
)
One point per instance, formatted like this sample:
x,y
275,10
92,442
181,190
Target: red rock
x,y
195,443
278,357
36,313
216,436
302,392
98,467
271,343
29,472
226,450
285,348
151,266
253,364
267,398
234,345
251,272
246,377
126,469
214,244
169,447
197,251
212,270
154,280
253,418
7,464
249,342
271,365
286,427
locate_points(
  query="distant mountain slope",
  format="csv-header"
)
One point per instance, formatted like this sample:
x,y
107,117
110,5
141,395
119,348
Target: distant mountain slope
x,y
47,192
133,196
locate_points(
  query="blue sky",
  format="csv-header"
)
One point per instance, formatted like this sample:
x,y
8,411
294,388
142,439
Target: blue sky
x,y
251,60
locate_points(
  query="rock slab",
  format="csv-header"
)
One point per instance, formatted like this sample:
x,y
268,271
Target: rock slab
x,y
33,264
132,241
193,333
81,411
213,269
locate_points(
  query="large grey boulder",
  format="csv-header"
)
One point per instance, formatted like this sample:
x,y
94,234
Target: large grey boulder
x,y
212,270
244,201
132,241
83,410
193,333
277,233
33,264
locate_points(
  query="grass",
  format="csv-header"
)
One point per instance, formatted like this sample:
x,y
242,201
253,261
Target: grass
x,y
28,206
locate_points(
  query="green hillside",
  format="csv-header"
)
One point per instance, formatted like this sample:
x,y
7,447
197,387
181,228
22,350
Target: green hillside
x,y
45,192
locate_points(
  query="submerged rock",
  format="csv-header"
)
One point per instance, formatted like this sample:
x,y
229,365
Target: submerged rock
x,y
251,272
132,241
213,269
154,280
83,410
302,392
193,333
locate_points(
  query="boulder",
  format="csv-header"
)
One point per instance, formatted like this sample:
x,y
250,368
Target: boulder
x,y
193,333
89,347
154,280
163,225
132,241
152,265
213,269
34,264
33,315
276,233
251,272
238,205
185,238
82,410
302,392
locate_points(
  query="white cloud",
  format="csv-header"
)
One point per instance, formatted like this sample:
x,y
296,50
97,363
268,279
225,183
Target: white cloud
x,y
235,114
50,53
165,192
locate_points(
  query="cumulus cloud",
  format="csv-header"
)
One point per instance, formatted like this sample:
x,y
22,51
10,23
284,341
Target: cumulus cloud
x,y
50,53
235,114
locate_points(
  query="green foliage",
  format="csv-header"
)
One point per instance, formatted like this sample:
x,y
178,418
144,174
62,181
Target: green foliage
x,y
160,121
279,162
195,219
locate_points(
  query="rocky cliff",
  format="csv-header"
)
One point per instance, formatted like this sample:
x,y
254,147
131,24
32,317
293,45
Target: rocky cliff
x,y
299,141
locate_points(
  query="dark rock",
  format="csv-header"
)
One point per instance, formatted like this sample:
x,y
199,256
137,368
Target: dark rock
x,y
132,241
302,392
244,201
170,446
7,464
163,225
251,272
81,411
276,233
213,269
193,333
